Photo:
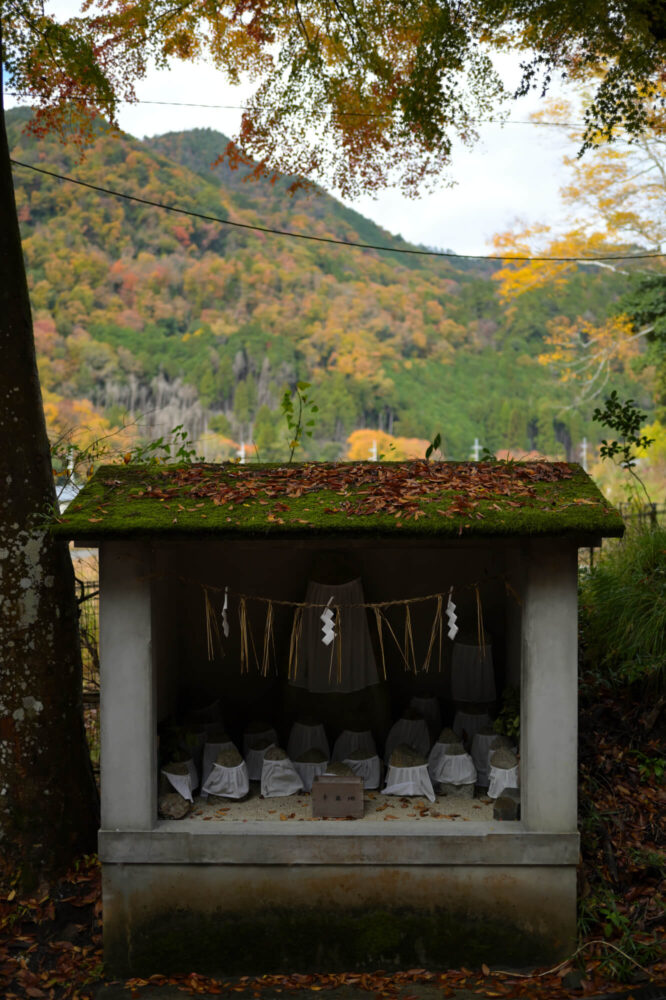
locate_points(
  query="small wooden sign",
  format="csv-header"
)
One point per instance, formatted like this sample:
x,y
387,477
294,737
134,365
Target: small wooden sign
x,y
335,797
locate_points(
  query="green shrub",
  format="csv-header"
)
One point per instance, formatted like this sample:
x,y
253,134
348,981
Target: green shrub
x,y
623,611
507,722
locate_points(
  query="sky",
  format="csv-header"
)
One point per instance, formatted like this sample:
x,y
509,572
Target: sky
x,y
513,173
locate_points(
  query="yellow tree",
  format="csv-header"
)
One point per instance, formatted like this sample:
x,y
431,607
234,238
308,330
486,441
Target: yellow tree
x,y
616,208
366,443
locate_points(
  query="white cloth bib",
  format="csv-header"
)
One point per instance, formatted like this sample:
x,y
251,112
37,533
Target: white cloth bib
x,y
501,778
307,772
451,769
230,782
210,752
369,770
346,664
184,784
350,740
278,777
303,738
409,781
481,756
255,762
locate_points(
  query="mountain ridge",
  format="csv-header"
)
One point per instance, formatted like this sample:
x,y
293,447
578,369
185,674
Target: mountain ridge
x,y
140,309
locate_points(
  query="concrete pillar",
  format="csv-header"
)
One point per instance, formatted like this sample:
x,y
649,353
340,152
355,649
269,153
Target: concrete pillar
x,y
127,689
549,688
165,627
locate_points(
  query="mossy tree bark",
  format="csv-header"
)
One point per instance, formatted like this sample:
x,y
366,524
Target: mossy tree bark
x,y
48,799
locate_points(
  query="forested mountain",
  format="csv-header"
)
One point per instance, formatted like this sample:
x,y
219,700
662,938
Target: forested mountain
x,y
141,311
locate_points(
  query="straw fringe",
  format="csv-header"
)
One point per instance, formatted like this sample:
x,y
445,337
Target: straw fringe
x,y
406,648
481,633
269,641
378,621
393,636
210,618
242,622
409,640
436,626
294,642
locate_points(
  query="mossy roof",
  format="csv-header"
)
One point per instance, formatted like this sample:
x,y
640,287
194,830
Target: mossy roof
x,y
409,499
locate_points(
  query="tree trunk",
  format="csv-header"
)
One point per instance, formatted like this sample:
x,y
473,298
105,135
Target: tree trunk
x,y
48,799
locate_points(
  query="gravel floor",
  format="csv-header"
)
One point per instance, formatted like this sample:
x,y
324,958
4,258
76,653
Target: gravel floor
x,y
377,806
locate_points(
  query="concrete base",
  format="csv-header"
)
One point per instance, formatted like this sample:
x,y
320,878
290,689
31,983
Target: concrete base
x,y
253,919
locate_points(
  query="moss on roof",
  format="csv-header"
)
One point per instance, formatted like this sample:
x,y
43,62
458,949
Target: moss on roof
x,y
353,498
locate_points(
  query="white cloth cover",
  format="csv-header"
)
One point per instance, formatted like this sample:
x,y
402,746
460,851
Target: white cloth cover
x,y
230,782
278,777
413,732
251,739
255,762
453,769
409,781
184,784
318,664
428,706
303,738
210,752
349,740
470,723
481,756
501,778
307,772
369,770
472,675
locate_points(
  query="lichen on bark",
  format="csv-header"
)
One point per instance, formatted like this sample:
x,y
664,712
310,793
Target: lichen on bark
x,y
48,799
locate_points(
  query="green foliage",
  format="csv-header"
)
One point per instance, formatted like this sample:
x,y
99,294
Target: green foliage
x,y
433,446
627,419
266,437
176,447
219,424
646,304
623,611
508,719
297,424
650,768
600,915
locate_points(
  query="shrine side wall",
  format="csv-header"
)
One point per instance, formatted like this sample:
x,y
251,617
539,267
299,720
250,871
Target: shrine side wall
x,y
254,919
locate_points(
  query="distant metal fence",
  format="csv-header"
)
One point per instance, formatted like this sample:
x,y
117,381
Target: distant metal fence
x,y
649,514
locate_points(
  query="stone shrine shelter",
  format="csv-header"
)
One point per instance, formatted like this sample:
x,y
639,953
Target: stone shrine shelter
x,y
403,887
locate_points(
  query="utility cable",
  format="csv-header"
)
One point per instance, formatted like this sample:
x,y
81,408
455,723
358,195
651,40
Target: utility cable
x,y
320,239
335,114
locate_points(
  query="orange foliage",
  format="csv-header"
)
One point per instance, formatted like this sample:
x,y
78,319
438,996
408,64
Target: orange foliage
x,y
360,443
79,423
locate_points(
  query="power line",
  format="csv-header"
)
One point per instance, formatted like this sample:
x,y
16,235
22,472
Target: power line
x,y
336,114
320,239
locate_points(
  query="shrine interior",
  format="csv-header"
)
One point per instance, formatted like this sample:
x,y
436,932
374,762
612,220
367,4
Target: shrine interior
x,y
252,685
